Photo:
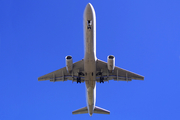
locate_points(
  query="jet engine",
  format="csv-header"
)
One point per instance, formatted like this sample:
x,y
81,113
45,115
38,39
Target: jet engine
x,y
110,63
69,63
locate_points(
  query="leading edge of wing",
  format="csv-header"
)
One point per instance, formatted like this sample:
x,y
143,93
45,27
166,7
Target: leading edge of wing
x,y
58,73
122,72
62,73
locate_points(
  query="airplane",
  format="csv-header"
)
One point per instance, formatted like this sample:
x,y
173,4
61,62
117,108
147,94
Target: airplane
x,y
90,69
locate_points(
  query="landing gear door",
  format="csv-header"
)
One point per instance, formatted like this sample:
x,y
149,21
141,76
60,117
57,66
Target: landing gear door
x,y
89,24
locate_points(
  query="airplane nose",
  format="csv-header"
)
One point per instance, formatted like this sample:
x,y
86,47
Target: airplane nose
x,y
89,12
89,4
89,7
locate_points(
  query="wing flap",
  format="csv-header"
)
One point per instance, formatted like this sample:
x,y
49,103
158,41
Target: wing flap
x,y
118,74
55,74
63,75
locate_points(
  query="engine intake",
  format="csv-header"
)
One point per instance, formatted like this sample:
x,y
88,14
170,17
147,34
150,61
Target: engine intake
x,y
111,63
69,63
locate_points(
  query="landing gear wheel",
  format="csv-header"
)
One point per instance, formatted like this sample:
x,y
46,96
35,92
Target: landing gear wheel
x,y
81,73
101,79
78,80
99,73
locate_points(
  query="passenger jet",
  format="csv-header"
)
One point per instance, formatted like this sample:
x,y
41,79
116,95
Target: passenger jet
x,y
90,69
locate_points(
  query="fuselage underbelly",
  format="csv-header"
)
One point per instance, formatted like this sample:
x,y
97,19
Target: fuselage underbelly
x,y
90,56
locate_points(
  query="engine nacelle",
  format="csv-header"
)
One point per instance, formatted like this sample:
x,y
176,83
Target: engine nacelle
x,y
110,63
69,63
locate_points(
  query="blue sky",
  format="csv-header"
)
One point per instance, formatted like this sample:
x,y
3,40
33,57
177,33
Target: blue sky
x,y
36,35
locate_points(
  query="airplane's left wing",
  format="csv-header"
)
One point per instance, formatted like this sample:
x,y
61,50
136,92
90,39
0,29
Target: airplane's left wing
x,y
118,74
63,75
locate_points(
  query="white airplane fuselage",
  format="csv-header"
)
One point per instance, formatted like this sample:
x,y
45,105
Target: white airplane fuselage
x,y
90,56
90,70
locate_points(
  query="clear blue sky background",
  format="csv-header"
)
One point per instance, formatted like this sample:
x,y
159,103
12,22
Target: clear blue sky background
x,y
36,35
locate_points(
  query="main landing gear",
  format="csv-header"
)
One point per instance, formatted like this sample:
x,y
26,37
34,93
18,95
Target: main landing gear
x,y
78,79
101,79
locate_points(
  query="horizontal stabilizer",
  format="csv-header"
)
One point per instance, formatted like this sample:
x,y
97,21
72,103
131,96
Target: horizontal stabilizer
x,y
81,111
101,110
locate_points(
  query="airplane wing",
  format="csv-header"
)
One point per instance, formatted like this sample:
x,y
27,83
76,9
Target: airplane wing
x,y
118,74
63,75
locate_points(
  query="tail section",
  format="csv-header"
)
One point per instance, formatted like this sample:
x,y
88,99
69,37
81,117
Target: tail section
x,y
97,110
101,110
81,111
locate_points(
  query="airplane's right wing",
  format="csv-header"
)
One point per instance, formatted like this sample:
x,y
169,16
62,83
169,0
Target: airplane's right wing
x,y
63,75
118,74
